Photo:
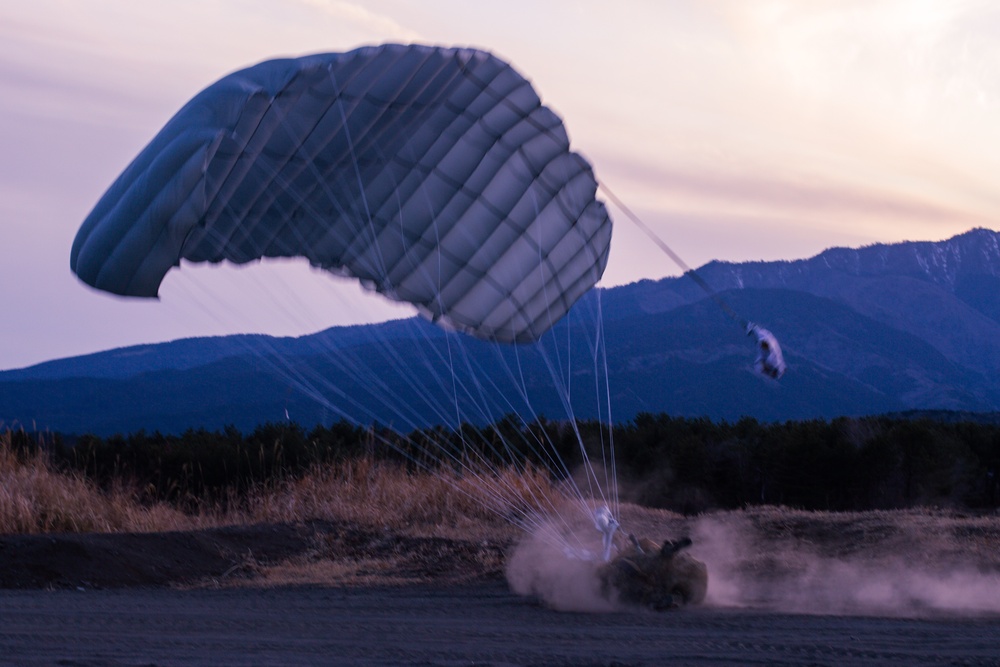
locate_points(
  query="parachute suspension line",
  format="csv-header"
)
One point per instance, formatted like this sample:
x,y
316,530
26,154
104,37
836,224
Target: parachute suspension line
x,y
308,387
564,395
563,386
609,522
627,211
501,494
688,271
384,272
437,293
545,454
588,466
539,498
359,371
253,344
542,501
600,361
459,430
357,173
563,391
504,506
555,371
560,464
498,494
248,225
770,362
482,403
551,453
599,352
557,460
608,462
408,374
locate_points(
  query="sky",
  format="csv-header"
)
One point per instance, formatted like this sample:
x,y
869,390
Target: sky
x,y
737,129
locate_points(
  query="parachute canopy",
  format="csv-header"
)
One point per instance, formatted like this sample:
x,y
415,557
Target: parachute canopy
x,y
432,175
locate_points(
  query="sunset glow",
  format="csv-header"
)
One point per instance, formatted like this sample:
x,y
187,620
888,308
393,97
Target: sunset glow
x,y
738,130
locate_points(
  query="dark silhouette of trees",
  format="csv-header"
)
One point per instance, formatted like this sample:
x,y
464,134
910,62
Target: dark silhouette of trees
x,y
688,465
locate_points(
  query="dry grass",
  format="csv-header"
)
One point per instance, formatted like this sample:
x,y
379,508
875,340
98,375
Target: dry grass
x,y
465,517
36,498
442,504
395,525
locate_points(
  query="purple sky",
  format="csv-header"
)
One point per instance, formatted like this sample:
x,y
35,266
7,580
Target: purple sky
x,y
738,130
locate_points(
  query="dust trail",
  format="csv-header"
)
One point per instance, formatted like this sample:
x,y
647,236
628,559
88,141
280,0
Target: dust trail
x,y
879,563
913,563
539,567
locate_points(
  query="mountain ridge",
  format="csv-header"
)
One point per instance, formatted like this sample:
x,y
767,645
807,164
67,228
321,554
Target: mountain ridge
x,y
910,326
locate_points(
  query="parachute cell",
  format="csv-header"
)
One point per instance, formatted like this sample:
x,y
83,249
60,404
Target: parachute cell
x,y
432,175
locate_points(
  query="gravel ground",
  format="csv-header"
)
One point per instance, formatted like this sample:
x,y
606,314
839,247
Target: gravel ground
x,y
785,588
474,624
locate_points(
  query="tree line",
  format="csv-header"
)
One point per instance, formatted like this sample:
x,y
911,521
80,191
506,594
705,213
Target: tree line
x,y
684,464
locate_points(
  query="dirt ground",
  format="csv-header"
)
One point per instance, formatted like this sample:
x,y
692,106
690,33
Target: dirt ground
x,y
445,626
260,555
786,588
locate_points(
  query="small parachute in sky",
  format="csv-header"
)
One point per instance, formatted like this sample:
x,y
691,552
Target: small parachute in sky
x,y
432,175
769,361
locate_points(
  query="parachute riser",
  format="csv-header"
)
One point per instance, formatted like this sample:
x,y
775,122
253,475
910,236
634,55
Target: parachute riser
x,y
769,361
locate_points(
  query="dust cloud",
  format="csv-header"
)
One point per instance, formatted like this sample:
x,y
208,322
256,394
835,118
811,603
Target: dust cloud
x,y
913,563
888,564
540,567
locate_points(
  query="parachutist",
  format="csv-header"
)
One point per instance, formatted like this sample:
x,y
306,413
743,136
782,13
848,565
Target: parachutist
x,y
606,524
769,361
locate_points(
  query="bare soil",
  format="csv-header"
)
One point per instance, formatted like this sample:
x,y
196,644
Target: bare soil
x,y
239,555
481,624
322,593
765,542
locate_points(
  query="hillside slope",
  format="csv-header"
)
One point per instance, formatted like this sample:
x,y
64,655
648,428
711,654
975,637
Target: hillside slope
x,y
909,326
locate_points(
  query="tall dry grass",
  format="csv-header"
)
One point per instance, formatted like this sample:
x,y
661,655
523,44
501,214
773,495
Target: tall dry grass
x,y
35,497
442,503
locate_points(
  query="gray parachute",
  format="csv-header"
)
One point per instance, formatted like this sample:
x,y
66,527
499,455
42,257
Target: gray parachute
x,y
433,175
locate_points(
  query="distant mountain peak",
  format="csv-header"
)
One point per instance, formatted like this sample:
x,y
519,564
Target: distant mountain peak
x,y
975,252
886,327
